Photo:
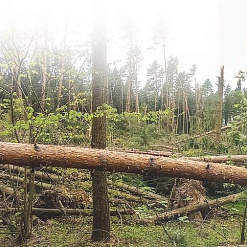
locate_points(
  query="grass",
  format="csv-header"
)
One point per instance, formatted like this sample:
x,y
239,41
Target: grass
x,y
73,232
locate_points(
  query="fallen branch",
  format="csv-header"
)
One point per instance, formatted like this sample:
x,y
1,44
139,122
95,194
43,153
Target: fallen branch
x,y
20,180
239,159
154,153
165,147
6,190
120,197
51,177
137,191
195,207
66,211
213,132
38,174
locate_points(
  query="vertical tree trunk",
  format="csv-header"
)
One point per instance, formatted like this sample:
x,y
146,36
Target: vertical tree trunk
x,y
177,129
60,84
128,88
44,73
122,97
136,88
18,84
166,83
219,115
173,107
101,215
69,93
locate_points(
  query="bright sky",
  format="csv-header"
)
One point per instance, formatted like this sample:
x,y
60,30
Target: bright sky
x,y
208,33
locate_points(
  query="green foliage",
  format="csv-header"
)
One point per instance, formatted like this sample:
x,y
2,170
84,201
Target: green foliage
x,y
237,136
131,179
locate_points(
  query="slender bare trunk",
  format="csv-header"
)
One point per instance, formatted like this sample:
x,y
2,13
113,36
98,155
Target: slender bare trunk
x,y
61,78
219,116
44,73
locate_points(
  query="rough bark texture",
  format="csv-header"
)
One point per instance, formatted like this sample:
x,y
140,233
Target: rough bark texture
x,y
86,158
101,216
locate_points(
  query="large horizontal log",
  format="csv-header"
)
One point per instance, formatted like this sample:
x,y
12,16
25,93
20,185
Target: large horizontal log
x,y
86,158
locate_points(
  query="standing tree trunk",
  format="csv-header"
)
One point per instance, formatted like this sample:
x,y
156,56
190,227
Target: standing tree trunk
x,y
220,105
136,86
44,72
61,78
129,87
101,215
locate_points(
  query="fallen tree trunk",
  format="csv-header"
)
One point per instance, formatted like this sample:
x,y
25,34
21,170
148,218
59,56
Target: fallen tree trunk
x,y
212,132
38,174
20,180
195,207
137,191
239,159
154,153
124,197
56,178
6,190
85,158
66,211
165,147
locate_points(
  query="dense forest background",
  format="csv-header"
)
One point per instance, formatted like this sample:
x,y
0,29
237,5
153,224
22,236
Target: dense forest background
x,y
45,86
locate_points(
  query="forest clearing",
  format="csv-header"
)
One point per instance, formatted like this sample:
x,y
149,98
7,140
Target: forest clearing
x,y
92,153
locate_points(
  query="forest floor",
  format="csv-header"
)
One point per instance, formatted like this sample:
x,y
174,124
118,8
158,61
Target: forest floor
x,y
76,231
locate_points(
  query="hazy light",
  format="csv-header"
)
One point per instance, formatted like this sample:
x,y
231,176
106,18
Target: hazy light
x,y
199,32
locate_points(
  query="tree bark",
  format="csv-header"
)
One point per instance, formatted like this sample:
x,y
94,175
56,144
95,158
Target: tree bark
x,y
61,77
101,216
44,72
104,160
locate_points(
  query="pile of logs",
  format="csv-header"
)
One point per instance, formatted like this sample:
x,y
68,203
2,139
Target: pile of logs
x,y
68,193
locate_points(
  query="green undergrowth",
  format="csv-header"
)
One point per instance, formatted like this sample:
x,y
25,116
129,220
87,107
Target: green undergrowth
x,y
76,231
